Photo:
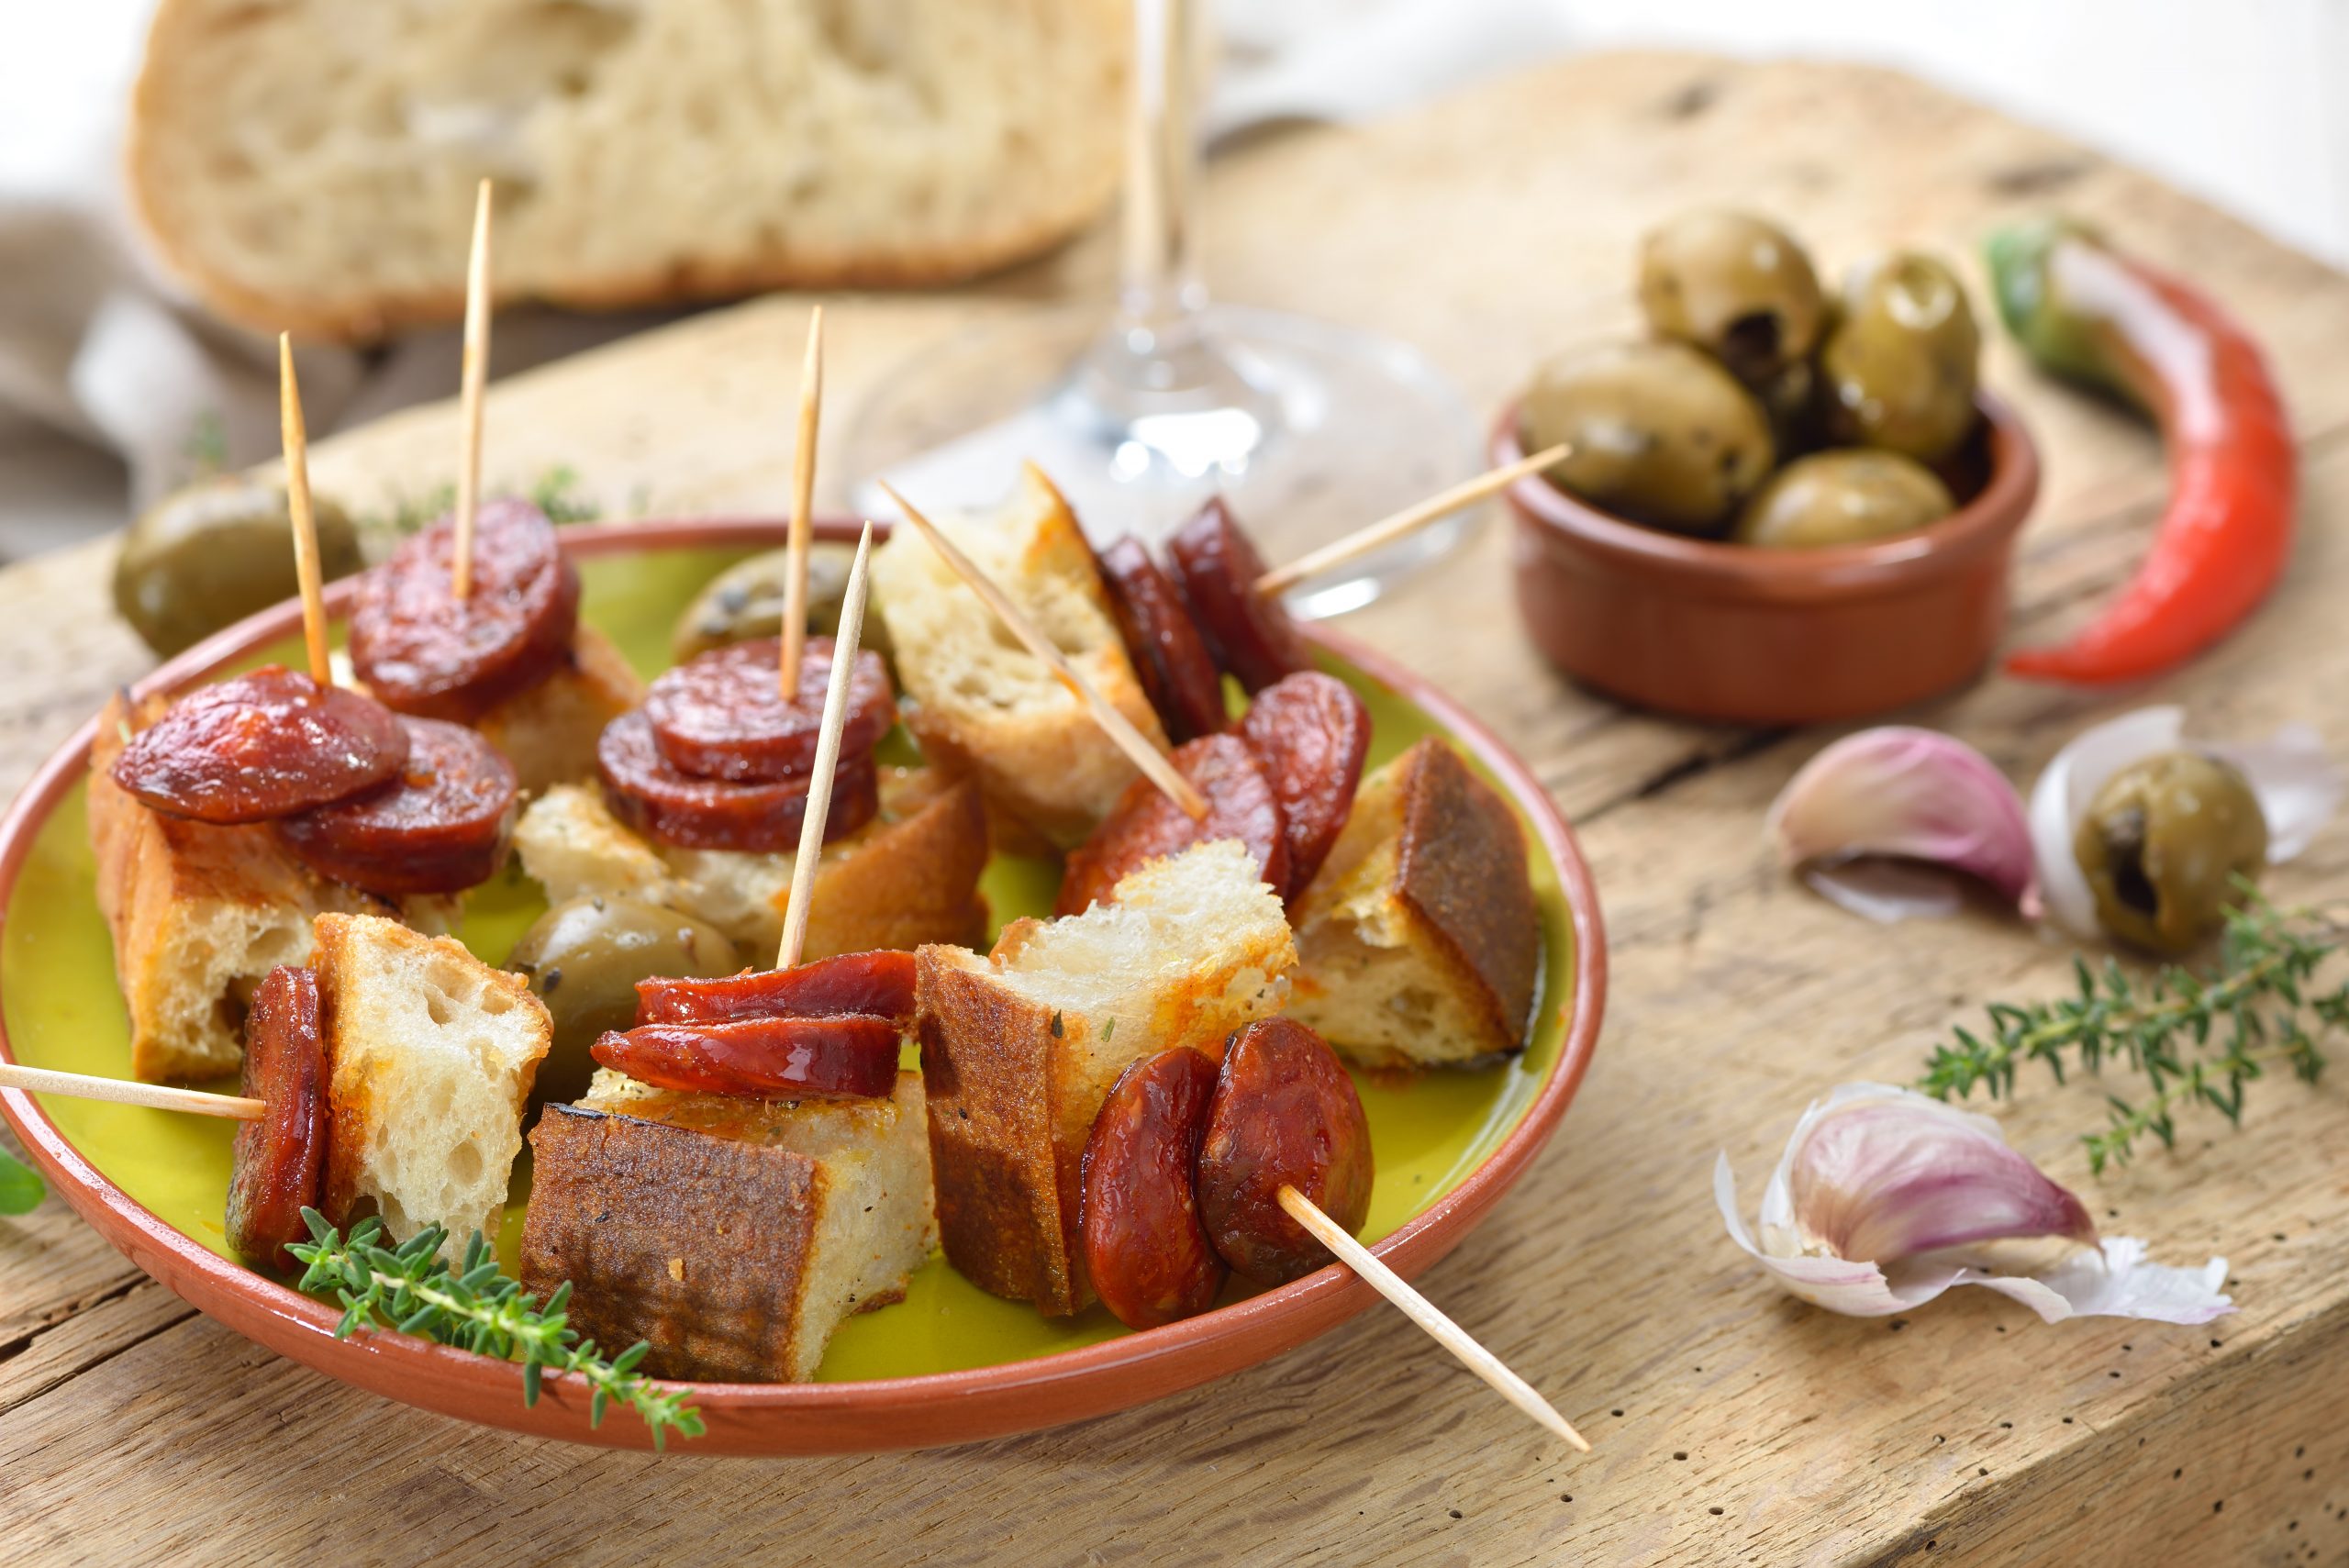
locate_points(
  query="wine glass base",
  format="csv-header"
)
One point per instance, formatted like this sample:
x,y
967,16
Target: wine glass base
x,y
1306,429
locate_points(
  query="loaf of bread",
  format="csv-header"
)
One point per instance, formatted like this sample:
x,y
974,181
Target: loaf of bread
x,y
1420,941
731,1235
982,704
310,164
1020,1048
909,876
429,1057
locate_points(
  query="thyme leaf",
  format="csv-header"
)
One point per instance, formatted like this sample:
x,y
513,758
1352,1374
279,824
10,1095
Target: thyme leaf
x,y
2194,1039
476,1305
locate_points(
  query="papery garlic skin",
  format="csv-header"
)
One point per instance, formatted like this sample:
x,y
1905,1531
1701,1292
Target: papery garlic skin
x,y
2300,791
1912,795
1883,1195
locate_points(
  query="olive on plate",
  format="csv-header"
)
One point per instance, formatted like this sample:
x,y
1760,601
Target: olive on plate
x,y
744,601
1843,497
1735,285
1901,364
1661,433
583,957
2162,845
208,555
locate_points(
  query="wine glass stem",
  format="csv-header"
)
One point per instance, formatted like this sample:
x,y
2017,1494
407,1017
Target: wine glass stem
x,y
1160,285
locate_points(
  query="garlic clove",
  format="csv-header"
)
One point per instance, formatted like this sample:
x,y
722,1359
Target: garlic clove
x,y
1915,798
2300,791
1885,1198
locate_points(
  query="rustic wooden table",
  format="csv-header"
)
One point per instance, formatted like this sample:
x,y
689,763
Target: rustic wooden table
x,y
1732,1424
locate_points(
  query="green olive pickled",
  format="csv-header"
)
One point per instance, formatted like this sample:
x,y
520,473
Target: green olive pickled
x,y
1661,433
2162,844
1736,286
1843,497
1901,364
745,601
206,556
584,958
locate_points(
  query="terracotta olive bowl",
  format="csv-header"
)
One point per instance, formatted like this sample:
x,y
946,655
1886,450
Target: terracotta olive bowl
x,y
1725,631
60,1010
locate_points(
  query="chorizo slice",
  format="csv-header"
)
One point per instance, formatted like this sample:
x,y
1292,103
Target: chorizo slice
x,y
265,744
1145,824
1252,634
652,796
1311,733
1283,1113
771,1059
443,826
1149,1257
275,1167
1177,672
722,716
427,652
878,984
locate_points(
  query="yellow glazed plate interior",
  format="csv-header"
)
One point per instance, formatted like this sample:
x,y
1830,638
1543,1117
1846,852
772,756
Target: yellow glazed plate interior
x,y
56,987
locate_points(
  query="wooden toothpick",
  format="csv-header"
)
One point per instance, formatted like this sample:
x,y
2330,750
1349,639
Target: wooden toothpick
x,y
471,381
1117,726
803,496
126,1092
306,525
1387,530
1423,1312
827,758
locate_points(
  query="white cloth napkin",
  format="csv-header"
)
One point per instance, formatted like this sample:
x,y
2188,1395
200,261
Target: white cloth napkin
x,y
115,388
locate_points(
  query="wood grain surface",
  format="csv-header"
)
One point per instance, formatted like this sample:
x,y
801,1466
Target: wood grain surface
x,y
1732,1425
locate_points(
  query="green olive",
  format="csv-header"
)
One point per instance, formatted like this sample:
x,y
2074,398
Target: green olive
x,y
1843,497
584,958
1735,285
745,601
2162,845
1661,433
208,555
1901,363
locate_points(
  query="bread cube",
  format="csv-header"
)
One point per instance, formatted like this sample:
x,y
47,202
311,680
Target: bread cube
x,y
550,732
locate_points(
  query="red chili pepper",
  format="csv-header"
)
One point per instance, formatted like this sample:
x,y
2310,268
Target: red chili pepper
x,y
2084,311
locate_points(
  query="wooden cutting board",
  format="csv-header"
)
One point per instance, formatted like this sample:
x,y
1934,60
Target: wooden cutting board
x,y
1732,1425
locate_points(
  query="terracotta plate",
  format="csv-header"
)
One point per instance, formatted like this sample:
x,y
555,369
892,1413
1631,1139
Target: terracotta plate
x,y
949,1364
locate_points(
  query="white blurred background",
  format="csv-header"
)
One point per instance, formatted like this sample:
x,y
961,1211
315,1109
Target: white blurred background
x,y
2239,103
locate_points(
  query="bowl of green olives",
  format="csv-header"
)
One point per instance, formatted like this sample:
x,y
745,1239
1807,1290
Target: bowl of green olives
x,y
1782,506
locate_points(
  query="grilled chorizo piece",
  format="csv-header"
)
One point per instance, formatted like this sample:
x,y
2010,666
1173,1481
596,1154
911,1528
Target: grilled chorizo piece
x,y
275,1169
425,652
876,985
1250,633
722,716
772,1059
1283,1113
443,826
652,796
1311,732
1177,672
1145,825
261,745
1149,1257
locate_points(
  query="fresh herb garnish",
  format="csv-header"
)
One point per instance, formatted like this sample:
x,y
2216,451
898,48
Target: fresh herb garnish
x,y
555,492
2193,1037
477,1307
21,1188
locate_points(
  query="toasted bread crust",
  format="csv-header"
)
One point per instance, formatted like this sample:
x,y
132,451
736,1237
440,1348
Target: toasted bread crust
x,y
1461,870
1006,1187
695,1243
913,881
549,732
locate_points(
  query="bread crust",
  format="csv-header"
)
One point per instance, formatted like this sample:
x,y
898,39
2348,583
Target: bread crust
x,y
550,732
1462,872
1007,234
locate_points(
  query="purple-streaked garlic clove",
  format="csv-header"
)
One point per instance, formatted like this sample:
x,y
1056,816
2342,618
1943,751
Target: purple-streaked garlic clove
x,y
1877,820
1885,1198
2300,790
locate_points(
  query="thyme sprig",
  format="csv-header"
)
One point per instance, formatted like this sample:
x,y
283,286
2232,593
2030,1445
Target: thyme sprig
x,y
2195,1039
477,1307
